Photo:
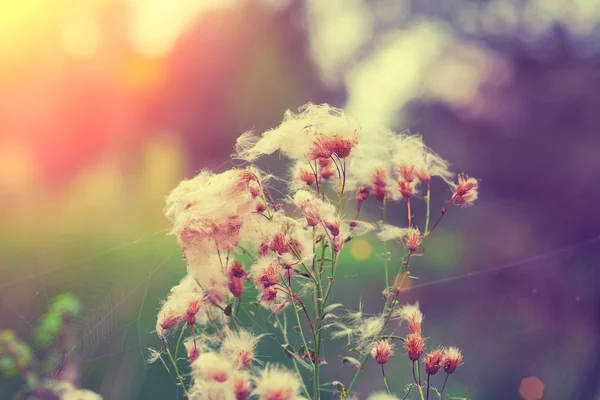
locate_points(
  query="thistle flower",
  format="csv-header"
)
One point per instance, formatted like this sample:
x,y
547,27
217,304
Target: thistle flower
x,y
414,160
212,207
184,297
391,232
67,391
382,349
302,175
369,328
241,385
240,346
317,131
275,383
382,396
433,361
451,359
412,315
465,191
313,209
413,239
210,366
266,272
414,344
371,162
327,172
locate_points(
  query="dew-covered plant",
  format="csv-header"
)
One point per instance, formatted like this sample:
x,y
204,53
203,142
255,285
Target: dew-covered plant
x,y
247,250
44,367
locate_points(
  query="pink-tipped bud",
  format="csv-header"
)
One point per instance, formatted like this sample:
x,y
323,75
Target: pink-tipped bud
x,y
269,276
413,239
324,162
362,195
260,207
466,191
451,359
379,192
379,178
433,361
414,344
169,322
405,188
327,172
407,172
241,387
423,175
353,224
279,244
382,350
193,354
268,295
333,227
263,249
236,286
237,270
307,177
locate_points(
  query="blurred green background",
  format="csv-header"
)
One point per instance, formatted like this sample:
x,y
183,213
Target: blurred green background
x,y
105,105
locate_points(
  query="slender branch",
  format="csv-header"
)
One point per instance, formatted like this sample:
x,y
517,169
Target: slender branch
x,y
427,205
444,386
385,381
283,329
179,378
385,250
428,376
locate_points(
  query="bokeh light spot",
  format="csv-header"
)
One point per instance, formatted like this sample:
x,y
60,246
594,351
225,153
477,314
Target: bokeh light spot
x,y
80,38
361,250
531,388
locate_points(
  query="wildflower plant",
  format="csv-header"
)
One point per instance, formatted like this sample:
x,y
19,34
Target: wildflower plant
x,y
44,367
246,251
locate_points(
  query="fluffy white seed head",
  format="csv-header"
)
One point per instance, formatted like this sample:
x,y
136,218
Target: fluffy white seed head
x,y
306,134
276,383
239,346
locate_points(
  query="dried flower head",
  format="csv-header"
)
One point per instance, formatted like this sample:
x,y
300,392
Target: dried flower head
x,y
452,359
414,344
382,396
433,361
465,191
212,366
412,315
317,131
413,239
240,346
275,383
241,385
381,350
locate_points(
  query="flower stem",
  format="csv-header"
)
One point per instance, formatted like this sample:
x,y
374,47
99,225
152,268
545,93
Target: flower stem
x,y
179,378
283,329
444,386
417,382
385,380
428,376
385,250
428,206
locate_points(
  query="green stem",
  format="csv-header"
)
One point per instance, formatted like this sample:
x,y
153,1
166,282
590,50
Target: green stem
x,y
388,315
179,340
283,329
444,387
428,206
385,250
385,381
179,378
